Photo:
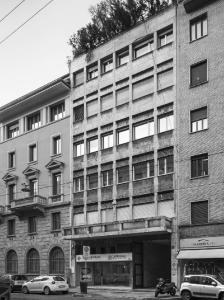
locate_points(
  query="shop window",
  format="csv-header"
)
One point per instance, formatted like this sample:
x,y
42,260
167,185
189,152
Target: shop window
x,y
107,178
165,123
11,262
107,140
56,145
122,136
143,47
92,181
11,224
11,192
165,165
78,113
92,145
199,119
79,184
56,184
33,262
78,77
198,73
198,27
57,261
106,64
165,36
143,129
12,159
199,212
79,149
57,111
143,170
32,225
33,121
12,130
122,57
33,153
92,71
199,165
123,174
56,221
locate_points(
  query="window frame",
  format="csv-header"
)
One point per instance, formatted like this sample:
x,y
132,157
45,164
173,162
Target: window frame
x,y
78,184
56,185
56,221
13,132
55,116
164,32
74,78
109,180
165,158
107,61
204,121
139,124
165,116
92,70
11,227
12,159
105,135
33,121
117,173
144,43
95,175
33,185
204,159
56,145
148,170
32,152
198,20
11,192
191,215
195,65
32,225
123,53
123,129
81,147
81,117
89,145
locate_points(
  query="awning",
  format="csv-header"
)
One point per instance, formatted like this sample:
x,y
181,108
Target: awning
x,y
201,253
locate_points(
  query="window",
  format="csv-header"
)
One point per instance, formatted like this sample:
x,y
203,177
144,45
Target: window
x,y
199,212
79,149
92,108
107,178
56,221
79,184
11,192
13,130
92,72
199,165
122,57
57,112
32,153
199,120
198,73
166,123
143,130
11,227
33,184
122,95
165,36
143,170
56,145
107,64
57,261
165,165
78,113
33,262
12,159
123,174
143,47
122,136
106,102
32,226
93,145
33,121
198,27
107,140
11,262
56,184
78,77
142,88
93,181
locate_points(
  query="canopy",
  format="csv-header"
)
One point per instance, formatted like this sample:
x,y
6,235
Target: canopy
x,y
201,253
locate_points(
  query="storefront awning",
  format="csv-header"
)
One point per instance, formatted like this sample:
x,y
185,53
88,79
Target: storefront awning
x,y
201,253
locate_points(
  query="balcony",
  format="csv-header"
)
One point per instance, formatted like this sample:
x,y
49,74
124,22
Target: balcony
x,y
2,211
29,206
192,5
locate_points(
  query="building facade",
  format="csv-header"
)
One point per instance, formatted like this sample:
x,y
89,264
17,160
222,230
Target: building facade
x,y
35,182
123,100
200,94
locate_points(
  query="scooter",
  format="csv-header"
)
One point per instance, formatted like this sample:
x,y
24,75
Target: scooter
x,y
165,288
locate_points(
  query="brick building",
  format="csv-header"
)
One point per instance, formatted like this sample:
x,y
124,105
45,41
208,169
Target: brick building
x,y
35,177
123,100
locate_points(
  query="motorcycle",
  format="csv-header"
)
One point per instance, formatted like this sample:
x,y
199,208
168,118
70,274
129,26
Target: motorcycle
x,y
164,287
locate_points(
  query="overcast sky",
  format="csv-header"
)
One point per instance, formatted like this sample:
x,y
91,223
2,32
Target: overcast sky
x,y
37,53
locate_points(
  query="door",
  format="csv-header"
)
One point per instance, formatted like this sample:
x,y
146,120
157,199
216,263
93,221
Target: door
x,y
33,285
137,265
209,287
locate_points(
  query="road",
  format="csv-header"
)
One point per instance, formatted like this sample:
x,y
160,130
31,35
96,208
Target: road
x,y
21,296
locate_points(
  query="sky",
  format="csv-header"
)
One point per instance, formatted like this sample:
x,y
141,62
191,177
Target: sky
x,y
37,53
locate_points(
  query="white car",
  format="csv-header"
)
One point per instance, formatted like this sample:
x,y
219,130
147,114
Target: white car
x,y
46,284
202,286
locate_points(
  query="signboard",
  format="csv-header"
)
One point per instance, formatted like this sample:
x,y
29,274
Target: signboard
x,y
86,252
202,243
105,257
86,274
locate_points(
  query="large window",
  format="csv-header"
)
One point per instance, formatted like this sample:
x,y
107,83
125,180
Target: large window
x,y
107,178
33,153
122,136
32,225
56,145
56,183
165,123
13,130
57,261
123,174
78,113
143,170
199,73
79,149
11,192
198,27
199,165
143,47
11,227
165,36
57,111
107,140
33,262
199,212
12,262
92,181
143,129
78,184
199,119
165,165
12,159
92,145
56,221
33,121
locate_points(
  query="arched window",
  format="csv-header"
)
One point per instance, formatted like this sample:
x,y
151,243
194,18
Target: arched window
x,y
11,262
57,261
33,262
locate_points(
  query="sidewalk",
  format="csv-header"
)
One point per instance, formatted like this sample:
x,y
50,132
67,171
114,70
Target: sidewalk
x,y
143,294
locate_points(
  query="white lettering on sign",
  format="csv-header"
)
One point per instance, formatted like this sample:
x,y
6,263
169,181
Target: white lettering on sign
x,y
200,243
105,257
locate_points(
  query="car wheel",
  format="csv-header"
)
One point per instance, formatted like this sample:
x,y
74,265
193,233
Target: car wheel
x,y
186,295
173,292
65,292
221,296
47,290
25,290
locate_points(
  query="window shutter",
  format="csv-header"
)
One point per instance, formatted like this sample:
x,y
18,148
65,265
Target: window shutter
x,y
79,78
199,212
143,88
165,79
199,73
199,114
92,108
122,96
106,102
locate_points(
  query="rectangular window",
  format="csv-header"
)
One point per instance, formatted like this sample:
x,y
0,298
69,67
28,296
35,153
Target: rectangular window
x,y
107,178
107,140
199,119
13,130
165,36
122,136
56,145
143,170
106,102
33,121
33,184
56,184
56,221
199,212
122,95
198,27
198,73
92,108
199,165
12,159
11,227
92,181
143,88
78,77
57,112
78,184
33,153
92,71
11,192
122,57
93,145
78,113
106,64
143,130
165,79
123,174
165,165
165,123
143,47
79,149
32,226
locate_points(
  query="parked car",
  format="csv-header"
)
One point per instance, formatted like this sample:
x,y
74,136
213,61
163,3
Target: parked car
x,y
16,281
202,286
46,284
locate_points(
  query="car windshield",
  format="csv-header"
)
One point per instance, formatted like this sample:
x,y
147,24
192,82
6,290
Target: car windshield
x,y
19,277
219,278
58,278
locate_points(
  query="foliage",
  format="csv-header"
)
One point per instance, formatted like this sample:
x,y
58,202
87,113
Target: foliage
x,y
111,17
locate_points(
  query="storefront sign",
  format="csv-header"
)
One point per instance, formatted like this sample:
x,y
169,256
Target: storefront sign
x,y
105,257
201,243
